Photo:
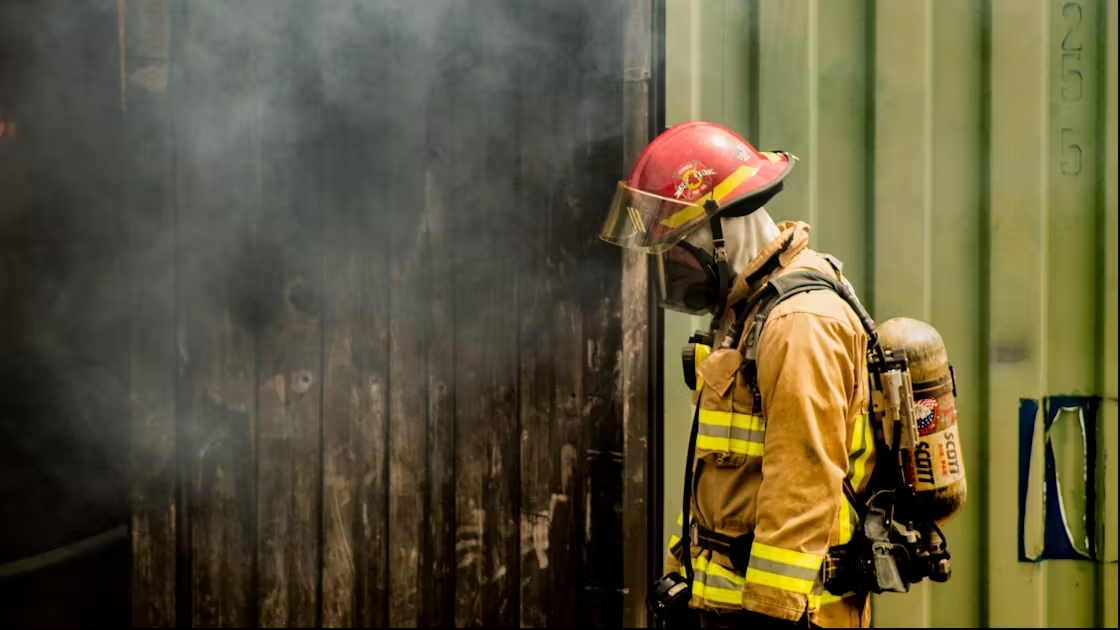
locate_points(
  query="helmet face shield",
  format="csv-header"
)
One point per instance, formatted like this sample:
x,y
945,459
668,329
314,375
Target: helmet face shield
x,y
649,222
686,274
688,173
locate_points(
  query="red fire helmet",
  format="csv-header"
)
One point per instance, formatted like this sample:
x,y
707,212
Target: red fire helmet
x,y
689,165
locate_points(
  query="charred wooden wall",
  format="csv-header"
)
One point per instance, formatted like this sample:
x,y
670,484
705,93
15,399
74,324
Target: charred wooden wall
x,y
63,333
376,345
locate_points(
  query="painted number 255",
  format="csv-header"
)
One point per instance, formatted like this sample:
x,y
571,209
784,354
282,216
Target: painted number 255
x,y
1072,88
1071,54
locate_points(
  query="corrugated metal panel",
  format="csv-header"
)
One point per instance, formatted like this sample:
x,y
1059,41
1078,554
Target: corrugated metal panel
x,y
968,178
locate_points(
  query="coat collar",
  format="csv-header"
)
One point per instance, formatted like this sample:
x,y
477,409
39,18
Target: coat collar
x,y
793,240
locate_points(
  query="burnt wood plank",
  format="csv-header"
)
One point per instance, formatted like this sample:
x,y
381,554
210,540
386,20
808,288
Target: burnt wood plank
x,y
217,202
570,474
437,599
356,325
636,372
462,137
599,124
502,224
152,363
539,456
409,303
289,305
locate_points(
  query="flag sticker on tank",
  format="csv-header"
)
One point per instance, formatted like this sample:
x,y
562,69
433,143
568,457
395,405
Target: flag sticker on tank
x,y
926,410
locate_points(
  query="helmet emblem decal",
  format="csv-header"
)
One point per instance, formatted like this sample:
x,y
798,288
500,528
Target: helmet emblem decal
x,y
742,154
692,180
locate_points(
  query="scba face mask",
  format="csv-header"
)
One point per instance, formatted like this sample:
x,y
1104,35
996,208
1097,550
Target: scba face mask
x,y
689,275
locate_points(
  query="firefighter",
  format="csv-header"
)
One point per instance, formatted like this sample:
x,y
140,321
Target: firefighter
x,y
781,430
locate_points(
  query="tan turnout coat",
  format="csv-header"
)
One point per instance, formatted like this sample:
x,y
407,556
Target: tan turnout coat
x,y
779,474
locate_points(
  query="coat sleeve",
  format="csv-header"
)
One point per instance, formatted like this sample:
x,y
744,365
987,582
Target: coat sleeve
x,y
806,374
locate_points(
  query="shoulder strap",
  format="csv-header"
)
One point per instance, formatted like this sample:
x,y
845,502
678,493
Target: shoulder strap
x,y
777,291
781,289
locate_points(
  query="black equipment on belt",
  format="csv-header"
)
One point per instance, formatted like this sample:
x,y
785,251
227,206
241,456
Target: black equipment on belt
x,y
736,548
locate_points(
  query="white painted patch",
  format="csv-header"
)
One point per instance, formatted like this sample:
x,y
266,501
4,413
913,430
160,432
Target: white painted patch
x,y
567,468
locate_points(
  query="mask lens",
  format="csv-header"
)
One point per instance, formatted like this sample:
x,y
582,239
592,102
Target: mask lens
x,y
686,280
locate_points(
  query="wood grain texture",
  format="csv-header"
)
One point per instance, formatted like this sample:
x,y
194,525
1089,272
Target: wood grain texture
x,y
289,306
600,301
356,326
217,347
568,550
397,337
540,497
152,360
635,328
501,214
408,315
437,598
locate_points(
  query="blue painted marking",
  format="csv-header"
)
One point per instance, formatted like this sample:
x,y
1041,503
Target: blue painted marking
x,y
1056,537
1028,415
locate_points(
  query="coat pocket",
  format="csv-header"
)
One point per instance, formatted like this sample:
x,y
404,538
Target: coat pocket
x,y
725,437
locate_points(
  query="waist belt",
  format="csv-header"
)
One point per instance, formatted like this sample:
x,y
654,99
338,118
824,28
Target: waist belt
x,y
838,563
736,548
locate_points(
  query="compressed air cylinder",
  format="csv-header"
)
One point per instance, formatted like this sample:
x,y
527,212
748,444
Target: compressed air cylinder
x,y
935,468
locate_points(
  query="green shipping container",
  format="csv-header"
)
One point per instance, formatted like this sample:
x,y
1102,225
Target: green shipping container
x,y
960,157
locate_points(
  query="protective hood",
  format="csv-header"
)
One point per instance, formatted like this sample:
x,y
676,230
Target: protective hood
x,y
746,237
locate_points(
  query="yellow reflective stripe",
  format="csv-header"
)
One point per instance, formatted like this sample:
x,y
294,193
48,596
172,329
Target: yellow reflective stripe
x,y
783,569
715,569
862,446
717,584
733,181
779,581
823,599
796,559
743,421
845,521
702,352
722,189
729,445
684,215
680,519
715,593
731,432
